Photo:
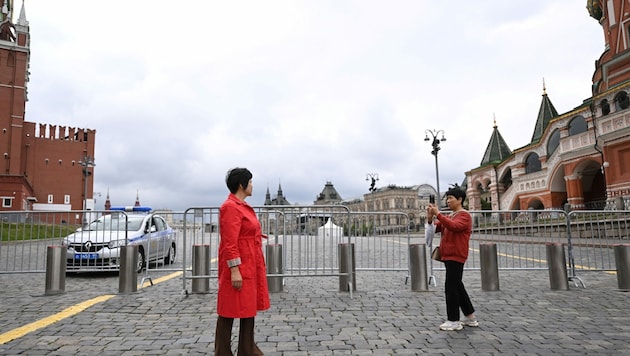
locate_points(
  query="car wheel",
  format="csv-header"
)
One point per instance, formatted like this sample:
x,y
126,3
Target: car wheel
x,y
170,257
141,261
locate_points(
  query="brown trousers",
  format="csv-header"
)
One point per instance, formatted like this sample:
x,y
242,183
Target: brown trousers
x,y
223,338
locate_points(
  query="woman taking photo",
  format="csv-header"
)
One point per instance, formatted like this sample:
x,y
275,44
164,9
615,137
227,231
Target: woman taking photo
x,y
456,228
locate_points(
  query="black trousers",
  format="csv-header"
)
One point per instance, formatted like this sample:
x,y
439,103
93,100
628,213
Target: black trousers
x,y
223,338
456,296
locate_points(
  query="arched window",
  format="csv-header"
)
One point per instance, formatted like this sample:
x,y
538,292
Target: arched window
x,y
622,101
605,107
506,180
553,143
577,125
532,163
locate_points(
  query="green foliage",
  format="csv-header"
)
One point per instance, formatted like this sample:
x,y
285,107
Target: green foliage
x,y
22,232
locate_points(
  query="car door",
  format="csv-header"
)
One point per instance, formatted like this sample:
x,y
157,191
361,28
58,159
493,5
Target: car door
x,y
153,237
162,237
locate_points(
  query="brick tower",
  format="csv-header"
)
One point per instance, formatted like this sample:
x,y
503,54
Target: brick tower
x,y
43,167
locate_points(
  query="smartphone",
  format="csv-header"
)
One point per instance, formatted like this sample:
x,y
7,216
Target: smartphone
x,y
432,199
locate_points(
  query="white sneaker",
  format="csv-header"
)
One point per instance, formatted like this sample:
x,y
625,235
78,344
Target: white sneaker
x,y
451,325
469,322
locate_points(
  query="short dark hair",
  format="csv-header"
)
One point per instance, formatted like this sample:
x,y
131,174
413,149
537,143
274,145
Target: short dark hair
x,y
457,192
237,177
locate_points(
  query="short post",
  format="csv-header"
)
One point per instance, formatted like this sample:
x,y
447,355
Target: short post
x,y
343,250
622,261
55,270
619,203
418,267
557,264
128,274
274,266
489,267
201,269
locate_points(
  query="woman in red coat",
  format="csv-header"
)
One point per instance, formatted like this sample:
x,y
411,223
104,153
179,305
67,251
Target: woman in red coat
x,y
242,273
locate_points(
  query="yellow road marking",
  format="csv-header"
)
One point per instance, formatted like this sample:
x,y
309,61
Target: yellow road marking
x,y
42,323
66,313
162,279
543,261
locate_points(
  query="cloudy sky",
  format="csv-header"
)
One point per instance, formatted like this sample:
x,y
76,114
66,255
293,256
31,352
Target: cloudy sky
x,y
299,92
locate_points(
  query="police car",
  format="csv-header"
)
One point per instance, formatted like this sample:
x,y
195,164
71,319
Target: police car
x,y
97,247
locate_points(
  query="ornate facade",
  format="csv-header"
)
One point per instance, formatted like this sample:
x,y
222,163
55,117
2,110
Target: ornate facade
x,y
576,160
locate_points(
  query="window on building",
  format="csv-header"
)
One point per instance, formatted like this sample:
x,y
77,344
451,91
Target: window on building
x,y
622,101
66,199
7,202
506,180
50,198
605,105
553,143
532,163
577,125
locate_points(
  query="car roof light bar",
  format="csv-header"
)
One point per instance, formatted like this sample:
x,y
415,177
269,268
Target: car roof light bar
x,y
143,209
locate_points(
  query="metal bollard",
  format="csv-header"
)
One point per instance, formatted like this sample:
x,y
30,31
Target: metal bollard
x,y
489,267
128,274
201,269
343,250
418,267
557,263
274,266
55,270
622,261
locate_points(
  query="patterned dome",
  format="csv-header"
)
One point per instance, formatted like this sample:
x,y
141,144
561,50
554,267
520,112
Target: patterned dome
x,y
426,190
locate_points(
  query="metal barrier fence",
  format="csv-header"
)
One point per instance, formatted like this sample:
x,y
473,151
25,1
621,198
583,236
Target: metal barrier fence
x,y
311,235
24,237
91,239
521,237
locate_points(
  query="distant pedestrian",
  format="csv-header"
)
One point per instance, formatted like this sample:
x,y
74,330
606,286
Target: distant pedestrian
x,y
242,273
456,229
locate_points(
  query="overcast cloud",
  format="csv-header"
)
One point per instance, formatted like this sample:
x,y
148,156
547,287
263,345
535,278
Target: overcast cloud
x,y
299,92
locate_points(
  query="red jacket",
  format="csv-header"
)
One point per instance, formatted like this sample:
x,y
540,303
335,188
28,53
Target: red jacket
x,y
241,240
456,229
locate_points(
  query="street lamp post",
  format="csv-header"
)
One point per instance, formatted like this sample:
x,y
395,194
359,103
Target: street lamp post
x,y
436,148
373,177
86,163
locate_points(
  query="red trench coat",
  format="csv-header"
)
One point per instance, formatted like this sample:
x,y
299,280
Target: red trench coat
x,y
241,237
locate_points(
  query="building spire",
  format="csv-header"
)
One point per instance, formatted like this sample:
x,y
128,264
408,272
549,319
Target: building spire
x,y
22,19
497,150
546,113
108,203
137,199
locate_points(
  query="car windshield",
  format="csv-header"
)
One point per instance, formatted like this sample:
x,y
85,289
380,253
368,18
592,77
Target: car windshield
x,y
116,222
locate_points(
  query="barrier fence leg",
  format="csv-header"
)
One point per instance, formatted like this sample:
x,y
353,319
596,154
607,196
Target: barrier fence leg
x,y
622,261
557,263
128,275
201,269
418,267
489,267
343,251
274,266
55,270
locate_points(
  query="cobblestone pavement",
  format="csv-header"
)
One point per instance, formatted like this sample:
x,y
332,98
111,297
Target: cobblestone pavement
x,y
312,317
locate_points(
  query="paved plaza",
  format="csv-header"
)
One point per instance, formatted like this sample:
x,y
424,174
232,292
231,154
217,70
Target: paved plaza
x,y
312,317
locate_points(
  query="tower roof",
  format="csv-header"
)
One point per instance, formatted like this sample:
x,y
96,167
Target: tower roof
x,y
497,149
328,195
278,200
545,114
